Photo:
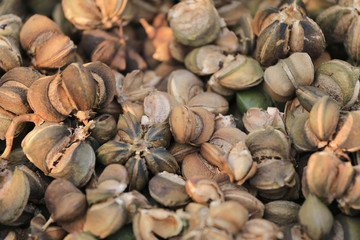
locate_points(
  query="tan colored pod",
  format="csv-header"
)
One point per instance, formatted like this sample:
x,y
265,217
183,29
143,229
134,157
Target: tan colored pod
x,y
201,13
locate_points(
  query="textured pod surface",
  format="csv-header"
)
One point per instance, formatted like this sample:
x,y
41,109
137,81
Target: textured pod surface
x,y
324,117
340,80
240,73
39,142
347,135
14,194
202,13
64,201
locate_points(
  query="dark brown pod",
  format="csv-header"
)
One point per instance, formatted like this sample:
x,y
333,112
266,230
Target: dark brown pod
x,y
79,86
64,201
39,101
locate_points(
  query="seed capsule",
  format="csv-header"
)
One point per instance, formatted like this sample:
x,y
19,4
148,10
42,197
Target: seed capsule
x,y
201,13
45,43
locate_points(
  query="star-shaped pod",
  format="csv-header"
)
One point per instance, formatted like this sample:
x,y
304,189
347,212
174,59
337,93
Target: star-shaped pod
x,y
141,149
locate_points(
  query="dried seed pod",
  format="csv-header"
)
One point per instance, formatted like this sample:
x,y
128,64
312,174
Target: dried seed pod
x,y
168,189
157,107
257,118
12,25
201,13
282,212
180,151
222,121
340,80
11,56
111,182
276,179
184,85
227,40
245,34
105,218
148,223
315,217
229,216
302,135
204,190
104,128
51,233
64,201
140,149
37,183
346,137
133,202
46,44
211,101
329,181
14,195
268,143
80,236
309,95
254,206
66,155
324,117
349,201
205,60
198,123
105,83
239,73
97,14
261,229
195,165
302,33
282,79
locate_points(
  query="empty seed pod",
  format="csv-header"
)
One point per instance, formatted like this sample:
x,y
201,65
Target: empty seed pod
x,y
211,101
97,14
65,156
340,80
195,165
157,107
149,223
105,218
227,40
51,233
229,216
191,125
168,189
282,79
346,137
204,190
205,60
111,183
184,85
64,201
257,118
44,42
349,201
37,182
180,151
315,217
302,33
260,228
254,206
14,195
203,14
239,73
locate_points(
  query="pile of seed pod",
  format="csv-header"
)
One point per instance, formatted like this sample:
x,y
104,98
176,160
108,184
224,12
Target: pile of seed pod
x,y
167,119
